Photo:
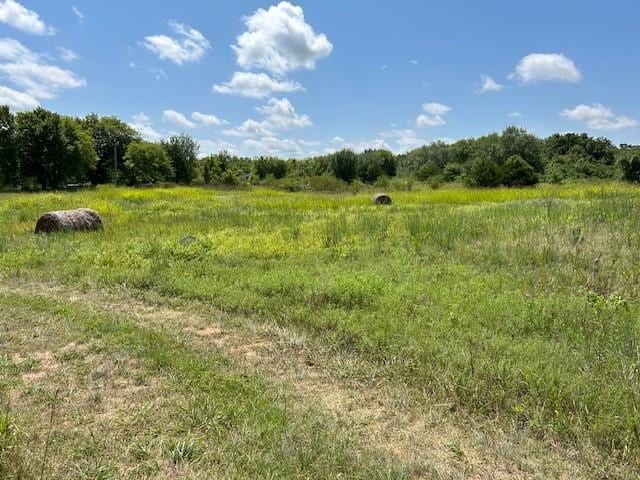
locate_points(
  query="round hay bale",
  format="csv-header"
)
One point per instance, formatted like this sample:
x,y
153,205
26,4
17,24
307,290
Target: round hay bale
x,y
82,219
382,199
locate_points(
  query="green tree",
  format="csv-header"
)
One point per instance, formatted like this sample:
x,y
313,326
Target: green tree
x,y
265,166
147,163
52,150
517,141
110,134
8,159
630,165
483,172
518,173
183,152
343,165
373,164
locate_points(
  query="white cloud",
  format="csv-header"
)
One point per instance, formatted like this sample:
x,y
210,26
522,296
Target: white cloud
x,y
29,71
143,125
599,117
189,48
67,54
207,120
404,140
250,128
274,146
280,115
20,17
515,114
256,85
489,85
17,100
209,147
546,67
78,13
280,40
177,118
433,115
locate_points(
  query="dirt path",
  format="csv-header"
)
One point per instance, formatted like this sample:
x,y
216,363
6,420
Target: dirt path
x,y
383,414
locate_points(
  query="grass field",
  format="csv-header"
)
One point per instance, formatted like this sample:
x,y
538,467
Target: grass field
x,y
260,334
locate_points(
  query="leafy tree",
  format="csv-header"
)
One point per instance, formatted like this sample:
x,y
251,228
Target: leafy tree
x,y
109,133
8,160
52,150
343,165
427,171
518,173
183,153
483,172
214,167
630,164
517,141
452,172
373,164
147,163
265,166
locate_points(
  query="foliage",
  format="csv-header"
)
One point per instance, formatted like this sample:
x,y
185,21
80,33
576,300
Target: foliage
x,y
52,150
265,166
9,174
483,172
344,164
630,165
518,173
110,136
373,164
147,163
183,153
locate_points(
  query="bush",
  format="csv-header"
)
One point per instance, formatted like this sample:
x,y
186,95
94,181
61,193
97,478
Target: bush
x,y
344,164
630,165
426,171
452,172
147,163
518,173
483,172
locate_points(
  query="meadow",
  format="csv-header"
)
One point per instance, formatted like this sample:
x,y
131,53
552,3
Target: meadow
x,y
253,333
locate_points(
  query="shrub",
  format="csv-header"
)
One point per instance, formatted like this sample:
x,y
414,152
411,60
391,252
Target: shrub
x,y
518,173
483,172
343,165
147,163
630,165
452,172
426,171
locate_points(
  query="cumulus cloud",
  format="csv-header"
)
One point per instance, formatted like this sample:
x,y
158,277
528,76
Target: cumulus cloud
x,y
278,114
274,146
599,117
29,71
143,125
189,47
17,100
546,67
433,115
256,85
20,17
177,118
404,140
488,84
280,40
207,120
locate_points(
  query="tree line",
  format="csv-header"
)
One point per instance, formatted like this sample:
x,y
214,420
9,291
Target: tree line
x,y
44,150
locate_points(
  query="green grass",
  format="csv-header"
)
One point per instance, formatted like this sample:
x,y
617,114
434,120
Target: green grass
x,y
203,418
516,304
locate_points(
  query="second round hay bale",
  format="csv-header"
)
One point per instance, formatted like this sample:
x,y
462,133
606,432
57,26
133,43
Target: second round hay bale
x,y
81,219
382,199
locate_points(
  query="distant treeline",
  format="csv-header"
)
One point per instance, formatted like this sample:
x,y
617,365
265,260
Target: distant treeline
x,y
40,149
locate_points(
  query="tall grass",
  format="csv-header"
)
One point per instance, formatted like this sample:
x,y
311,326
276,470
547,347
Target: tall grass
x,y
520,304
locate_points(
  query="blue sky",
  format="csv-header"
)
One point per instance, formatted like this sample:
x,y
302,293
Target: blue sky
x,y
302,78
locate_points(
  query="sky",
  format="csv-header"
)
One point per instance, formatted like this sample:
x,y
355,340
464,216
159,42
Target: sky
x,y
303,78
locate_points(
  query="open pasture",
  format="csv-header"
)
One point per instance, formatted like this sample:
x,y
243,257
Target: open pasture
x,y
504,321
